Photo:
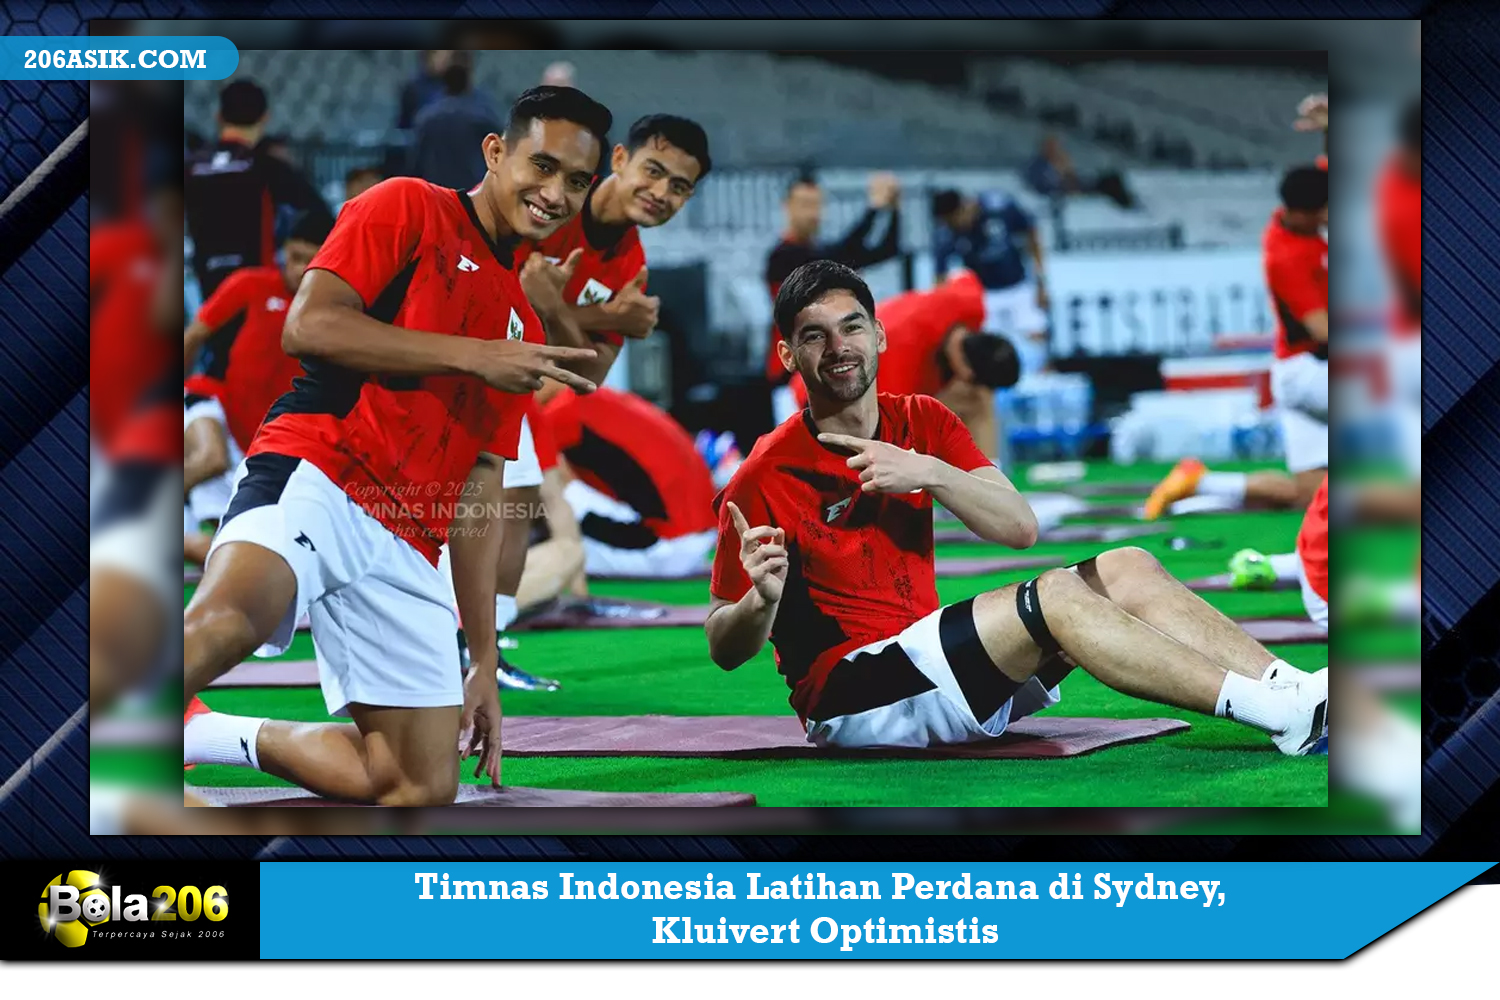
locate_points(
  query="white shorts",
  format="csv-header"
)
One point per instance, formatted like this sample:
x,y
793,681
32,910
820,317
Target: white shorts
x,y
134,530
911,691
1013,313
1299,385
210,499
663,559
526,470
1404,358
382,616
1317,608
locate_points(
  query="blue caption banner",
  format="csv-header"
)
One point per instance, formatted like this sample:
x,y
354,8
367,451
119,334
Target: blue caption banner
x,y
429,910
187,57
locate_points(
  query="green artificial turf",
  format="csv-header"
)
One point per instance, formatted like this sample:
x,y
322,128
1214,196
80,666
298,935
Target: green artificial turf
x,y
667,671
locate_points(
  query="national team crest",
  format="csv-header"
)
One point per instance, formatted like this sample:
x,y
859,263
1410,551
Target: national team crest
x,y
595,292
517,330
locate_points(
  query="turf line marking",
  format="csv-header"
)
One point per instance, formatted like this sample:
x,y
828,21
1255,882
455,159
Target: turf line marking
x,y
43,752
45,168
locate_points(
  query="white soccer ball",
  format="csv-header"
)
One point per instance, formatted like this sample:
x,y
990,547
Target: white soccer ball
x,y
95,908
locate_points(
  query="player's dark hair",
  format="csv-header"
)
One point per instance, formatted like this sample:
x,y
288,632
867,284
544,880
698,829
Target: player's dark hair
x,y
993,359
684,133
356,173
566,104
1411,126
945,203
242,103
806,177
456,78
312,226
1305,189
811,282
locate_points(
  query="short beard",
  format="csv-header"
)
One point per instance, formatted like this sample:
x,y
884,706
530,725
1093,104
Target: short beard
x,y
857,388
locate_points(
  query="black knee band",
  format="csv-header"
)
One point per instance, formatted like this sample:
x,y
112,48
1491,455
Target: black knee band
x,y
1029,607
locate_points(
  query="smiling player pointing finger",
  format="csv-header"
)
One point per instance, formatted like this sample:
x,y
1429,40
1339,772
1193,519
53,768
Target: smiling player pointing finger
x,y
826,550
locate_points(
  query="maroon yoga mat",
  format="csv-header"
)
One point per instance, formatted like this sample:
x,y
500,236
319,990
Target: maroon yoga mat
x,y
1282,630
1136,489
957,534
270,673
1219,584
483,796
767,736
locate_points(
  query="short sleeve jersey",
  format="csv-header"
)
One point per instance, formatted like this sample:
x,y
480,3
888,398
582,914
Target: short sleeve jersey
x,y
612,257
1296,266
419,258
628,449
861,564
244,354
916,324
1312,541
1399,209
126,353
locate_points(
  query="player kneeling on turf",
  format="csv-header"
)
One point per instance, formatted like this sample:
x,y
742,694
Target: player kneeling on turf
x,y
826,549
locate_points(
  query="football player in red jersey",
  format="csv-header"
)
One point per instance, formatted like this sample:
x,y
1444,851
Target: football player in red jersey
x,y
826,550
237,333
136,456
653,174
420,349
1296,262
934,347
1399,213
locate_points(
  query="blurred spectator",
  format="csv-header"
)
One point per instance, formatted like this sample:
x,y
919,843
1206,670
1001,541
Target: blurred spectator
x,y
451,131
359,180
424,89
560,74
236,190
804,217
985,234
1051,174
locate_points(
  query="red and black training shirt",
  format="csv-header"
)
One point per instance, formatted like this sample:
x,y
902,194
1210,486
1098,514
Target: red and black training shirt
x,y
612,257
1296,266
861,563
245,361
420,259
630,450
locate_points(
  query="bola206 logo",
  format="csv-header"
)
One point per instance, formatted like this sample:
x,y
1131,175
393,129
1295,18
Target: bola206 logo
x,y
74,904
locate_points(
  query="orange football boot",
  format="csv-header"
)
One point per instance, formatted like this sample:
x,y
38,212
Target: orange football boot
x,y
1179,484
195,707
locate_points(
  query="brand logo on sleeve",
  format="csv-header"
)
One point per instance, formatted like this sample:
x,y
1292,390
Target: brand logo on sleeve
x,y
465,264
595,292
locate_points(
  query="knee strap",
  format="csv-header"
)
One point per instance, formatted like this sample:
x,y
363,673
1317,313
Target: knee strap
x,y
1029,607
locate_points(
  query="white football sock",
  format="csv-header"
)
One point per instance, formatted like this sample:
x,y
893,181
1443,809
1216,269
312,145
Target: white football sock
x,y
1277,667
1406,600
1225,485
1288,565
1254,704
216,738
505,612
107,810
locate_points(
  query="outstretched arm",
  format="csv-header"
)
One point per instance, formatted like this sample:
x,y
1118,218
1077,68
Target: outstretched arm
x,y
984,500
738,630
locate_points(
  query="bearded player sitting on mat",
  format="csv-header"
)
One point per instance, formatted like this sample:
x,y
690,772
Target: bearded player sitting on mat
x,y
826,549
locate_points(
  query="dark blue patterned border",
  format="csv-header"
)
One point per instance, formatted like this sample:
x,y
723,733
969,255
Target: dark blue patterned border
x,y
43,419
